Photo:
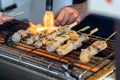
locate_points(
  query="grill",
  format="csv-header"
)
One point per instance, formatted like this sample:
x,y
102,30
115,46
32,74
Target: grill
x,y
51,64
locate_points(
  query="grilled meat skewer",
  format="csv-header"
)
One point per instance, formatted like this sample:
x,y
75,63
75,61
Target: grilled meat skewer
x,y
95,48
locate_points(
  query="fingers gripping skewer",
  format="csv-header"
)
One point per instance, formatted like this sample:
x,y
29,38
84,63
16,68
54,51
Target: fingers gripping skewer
x,y
84,29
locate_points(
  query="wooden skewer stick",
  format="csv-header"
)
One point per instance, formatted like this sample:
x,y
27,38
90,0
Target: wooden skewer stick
x,y
93,31
19,13
84,29
110,36
73,24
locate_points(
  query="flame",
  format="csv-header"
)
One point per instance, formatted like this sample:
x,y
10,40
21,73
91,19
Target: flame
x,y
36,29
48,19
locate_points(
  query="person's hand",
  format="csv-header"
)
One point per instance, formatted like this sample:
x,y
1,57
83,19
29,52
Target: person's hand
x,y
70,14
4,19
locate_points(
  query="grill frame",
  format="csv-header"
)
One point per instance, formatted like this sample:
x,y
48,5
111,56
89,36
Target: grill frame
x,y
4,40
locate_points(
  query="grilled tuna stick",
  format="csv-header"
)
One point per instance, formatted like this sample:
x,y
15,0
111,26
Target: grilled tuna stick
x,y
50,34
17,36
93,49
74,43
59,40
20,34
61,30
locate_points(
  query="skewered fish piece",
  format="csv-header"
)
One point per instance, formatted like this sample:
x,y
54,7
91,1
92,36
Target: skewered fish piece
x,y
71,33
17,36
68,35
36,37
23,33
66,28
92,50
51,36
61,39
58,41
52,45
40,42
63,50
60,31
32,39
75,42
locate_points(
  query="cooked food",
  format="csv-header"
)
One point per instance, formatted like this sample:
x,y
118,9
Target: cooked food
x,y
40,42
23,33
52,45
64,29
51,36
59,40
92,50
63,50
17,36
75,42
30,40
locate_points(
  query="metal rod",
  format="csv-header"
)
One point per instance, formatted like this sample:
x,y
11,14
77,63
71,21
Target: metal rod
x,y
49,5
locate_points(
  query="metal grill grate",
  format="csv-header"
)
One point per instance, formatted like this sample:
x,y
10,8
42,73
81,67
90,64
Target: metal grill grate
x,y
96,63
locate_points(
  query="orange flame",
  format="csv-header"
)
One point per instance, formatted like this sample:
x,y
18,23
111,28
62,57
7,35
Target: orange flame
x,y
48,19
36,29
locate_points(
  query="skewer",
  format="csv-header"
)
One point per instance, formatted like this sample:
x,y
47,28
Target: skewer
x,y
93,31
84,29
39,42
58,41
93,49
19,13
110,36
73,24
74,43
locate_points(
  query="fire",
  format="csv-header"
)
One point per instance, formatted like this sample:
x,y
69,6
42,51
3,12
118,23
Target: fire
x,y
48,19
36,29
48,22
